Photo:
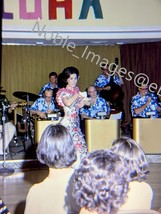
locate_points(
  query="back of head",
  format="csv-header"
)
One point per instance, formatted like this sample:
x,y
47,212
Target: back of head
x,y
101,182
56,148
65,74
132,152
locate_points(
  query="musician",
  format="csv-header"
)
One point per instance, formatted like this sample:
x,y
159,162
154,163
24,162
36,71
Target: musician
x,y
52,84
9,128
144,103
97,104
102,82
108,84
44,105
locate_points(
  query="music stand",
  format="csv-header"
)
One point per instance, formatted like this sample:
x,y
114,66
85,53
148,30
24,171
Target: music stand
x,y
4,170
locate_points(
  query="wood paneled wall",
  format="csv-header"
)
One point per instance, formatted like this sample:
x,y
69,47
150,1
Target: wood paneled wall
x,y
26,68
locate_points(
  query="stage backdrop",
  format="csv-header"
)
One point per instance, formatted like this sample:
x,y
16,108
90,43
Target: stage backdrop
x,y
26,68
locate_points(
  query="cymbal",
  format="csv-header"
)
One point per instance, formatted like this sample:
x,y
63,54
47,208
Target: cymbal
x,y
25,95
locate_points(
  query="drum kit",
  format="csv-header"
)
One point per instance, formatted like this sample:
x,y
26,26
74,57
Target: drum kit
x,y
24,123
5,104
22,120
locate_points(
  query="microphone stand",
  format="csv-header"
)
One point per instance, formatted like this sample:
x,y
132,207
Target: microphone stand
x,y
29,134
4,170
28,119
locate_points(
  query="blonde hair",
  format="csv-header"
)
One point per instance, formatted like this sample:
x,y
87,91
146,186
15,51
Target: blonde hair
x,y
134,155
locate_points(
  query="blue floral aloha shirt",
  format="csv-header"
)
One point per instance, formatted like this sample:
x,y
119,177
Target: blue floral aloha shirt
x,y
47,85
41,105
137,101
102,81
99,106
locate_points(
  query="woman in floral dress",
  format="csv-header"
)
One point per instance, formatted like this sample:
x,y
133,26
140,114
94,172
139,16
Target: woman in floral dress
x,y
69,98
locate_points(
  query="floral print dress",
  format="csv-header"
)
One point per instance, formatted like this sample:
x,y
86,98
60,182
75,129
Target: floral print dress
x,y
71,120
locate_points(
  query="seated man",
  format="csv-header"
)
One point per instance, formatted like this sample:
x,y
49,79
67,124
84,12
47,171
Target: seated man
x,y
144,103
108,84
97,104
44,105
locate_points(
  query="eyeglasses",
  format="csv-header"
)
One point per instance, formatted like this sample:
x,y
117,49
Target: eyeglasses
x,y
48,97
91,91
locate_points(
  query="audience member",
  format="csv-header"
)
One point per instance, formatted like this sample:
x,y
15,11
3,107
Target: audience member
x,y
97,104
57,151
108,84
70,99
140,193
144,103
101,183
52,84
44,105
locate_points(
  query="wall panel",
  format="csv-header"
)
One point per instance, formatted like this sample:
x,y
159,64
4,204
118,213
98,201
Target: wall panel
x,y
26,68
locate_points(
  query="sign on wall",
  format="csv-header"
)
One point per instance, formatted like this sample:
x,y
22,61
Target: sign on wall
x,y
81,15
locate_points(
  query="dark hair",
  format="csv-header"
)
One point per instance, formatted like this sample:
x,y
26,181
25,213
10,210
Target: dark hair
x,y
101,182
47,89
56,148
103,65
53,74
65,74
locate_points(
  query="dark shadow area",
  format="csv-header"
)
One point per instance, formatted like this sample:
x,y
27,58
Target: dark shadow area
x,y
20,208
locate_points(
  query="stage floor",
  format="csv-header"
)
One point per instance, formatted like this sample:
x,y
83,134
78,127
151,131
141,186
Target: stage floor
x,y
14,187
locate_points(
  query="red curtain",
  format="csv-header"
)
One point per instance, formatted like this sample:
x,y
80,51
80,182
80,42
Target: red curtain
x,y
140,58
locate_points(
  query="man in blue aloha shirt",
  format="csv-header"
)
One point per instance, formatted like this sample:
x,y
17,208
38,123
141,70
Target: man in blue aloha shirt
x,y
102,82
108,84
98,104
52,84
44,105
144,104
